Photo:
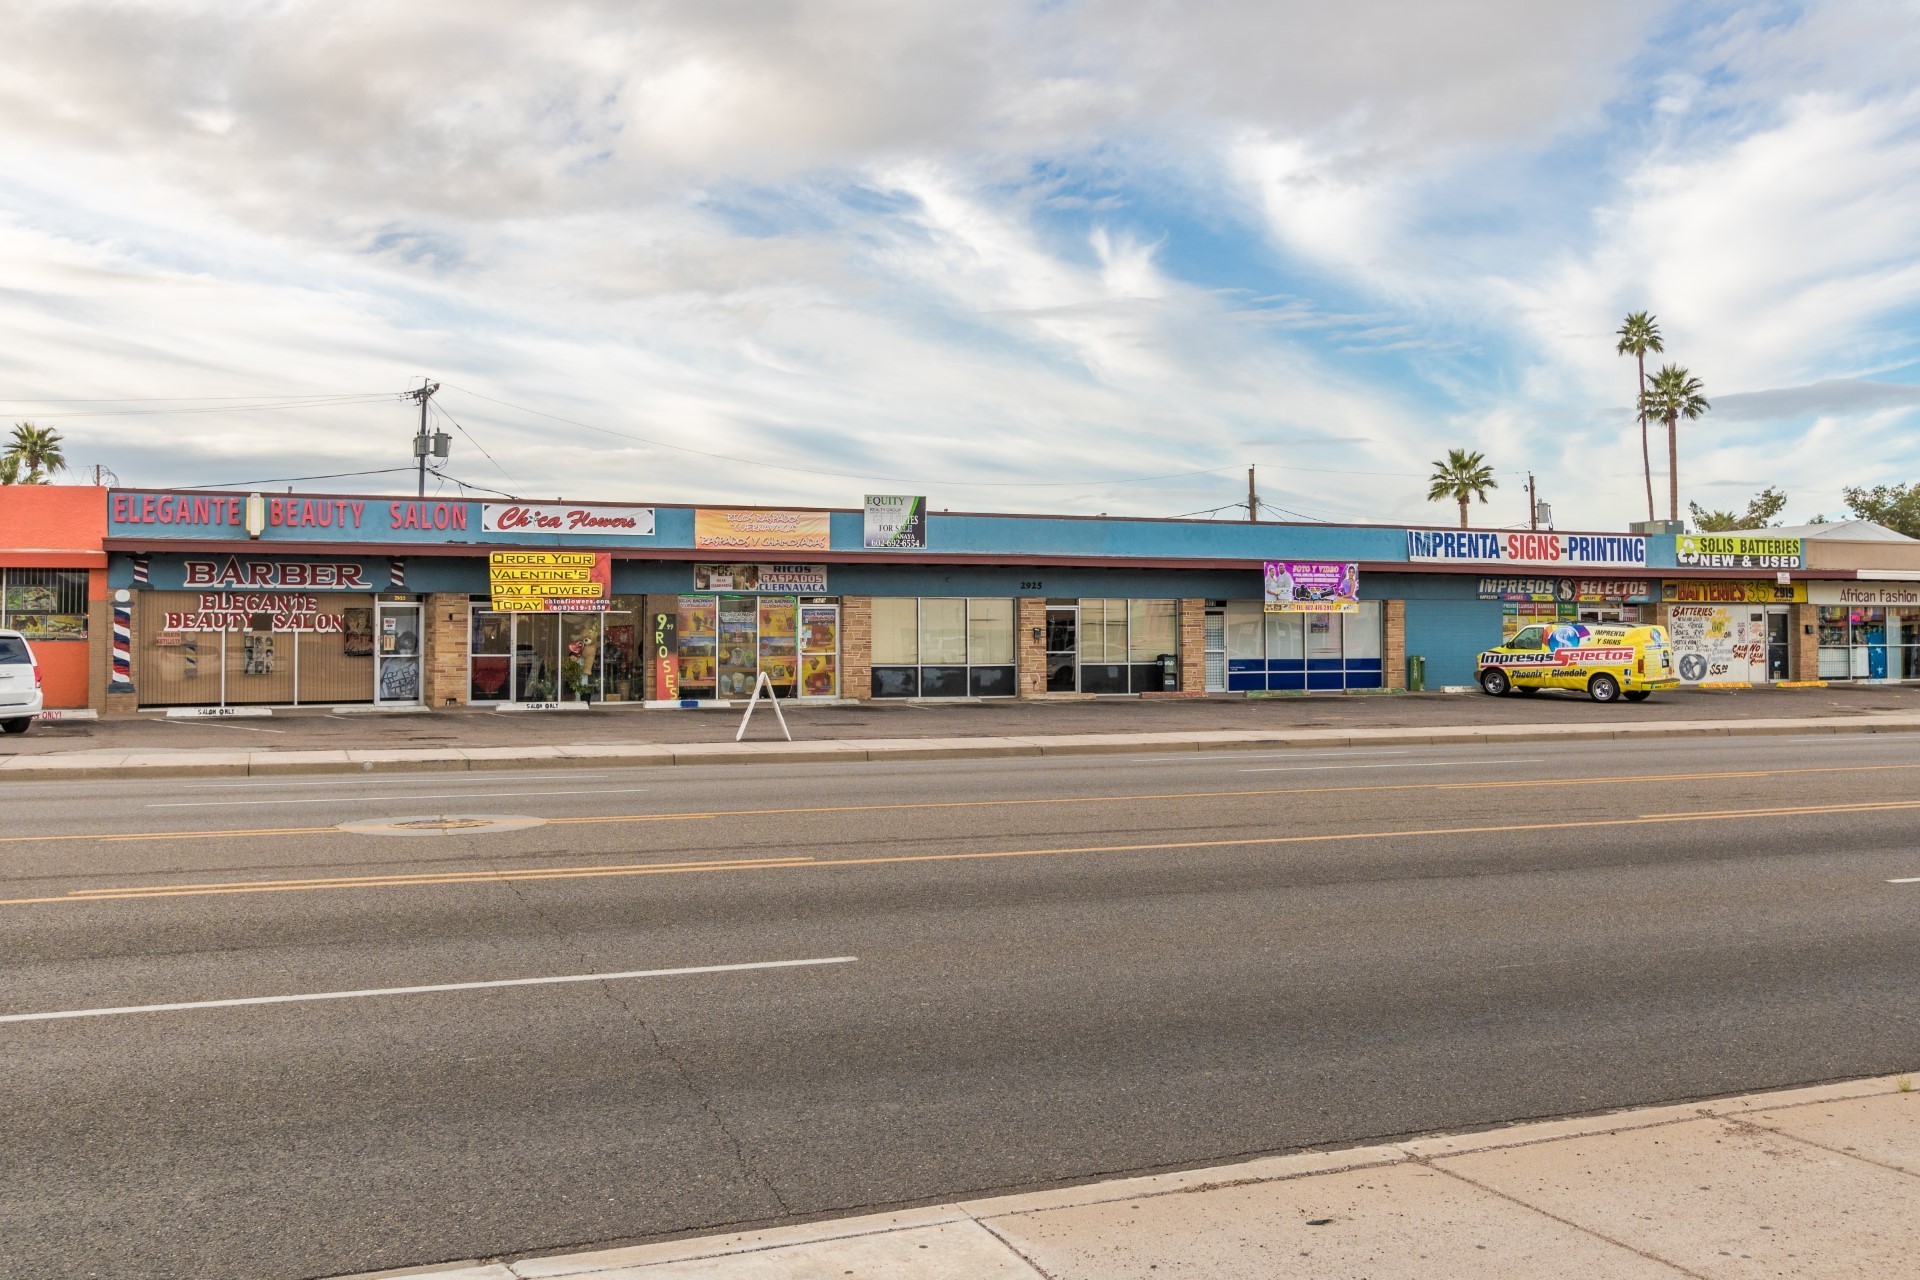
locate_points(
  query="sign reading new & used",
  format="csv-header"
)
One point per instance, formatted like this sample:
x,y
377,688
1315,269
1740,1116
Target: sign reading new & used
x,y
1738,551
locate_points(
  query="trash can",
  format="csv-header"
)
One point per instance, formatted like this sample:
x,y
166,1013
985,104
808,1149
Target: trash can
x,y
1416,672
1169,671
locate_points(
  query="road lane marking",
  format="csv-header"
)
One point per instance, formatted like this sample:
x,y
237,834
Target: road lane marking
x,y
444,777
401,880
1496,784
1418,764
807,863
418,991
220,724
442,795
1907,880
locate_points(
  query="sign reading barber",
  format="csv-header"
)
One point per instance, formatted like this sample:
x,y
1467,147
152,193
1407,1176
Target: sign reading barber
x,y
1573,550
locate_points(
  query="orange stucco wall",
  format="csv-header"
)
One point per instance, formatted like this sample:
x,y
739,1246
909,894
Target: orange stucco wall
x,y
60,526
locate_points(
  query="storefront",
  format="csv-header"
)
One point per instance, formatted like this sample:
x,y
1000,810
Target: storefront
x,y
1868,630
255,630
1731,630
53,586
556,657
1526,601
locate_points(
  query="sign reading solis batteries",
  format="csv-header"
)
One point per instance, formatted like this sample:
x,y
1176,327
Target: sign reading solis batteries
x,y
895,523
549,581
1738,551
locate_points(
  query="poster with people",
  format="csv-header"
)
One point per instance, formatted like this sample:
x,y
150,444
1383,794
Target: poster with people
x,y
1312,586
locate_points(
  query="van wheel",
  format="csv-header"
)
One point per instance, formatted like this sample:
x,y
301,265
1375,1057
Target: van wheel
x,y
17,726
1638,696
1603,689
1495,682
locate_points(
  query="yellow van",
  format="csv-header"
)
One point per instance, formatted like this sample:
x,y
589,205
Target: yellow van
x,y
1607,660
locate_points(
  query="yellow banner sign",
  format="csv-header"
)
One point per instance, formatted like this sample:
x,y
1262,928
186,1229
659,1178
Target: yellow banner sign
x,y
1731,591
548,581
761,530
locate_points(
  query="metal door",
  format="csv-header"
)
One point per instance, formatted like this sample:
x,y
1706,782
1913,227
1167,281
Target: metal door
x,y
1216,651
1063,648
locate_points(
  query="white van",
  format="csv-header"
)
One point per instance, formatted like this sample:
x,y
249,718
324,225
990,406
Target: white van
x,y
20,699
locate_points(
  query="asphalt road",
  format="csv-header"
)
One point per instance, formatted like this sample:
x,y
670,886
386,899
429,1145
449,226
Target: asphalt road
x,y
1048,970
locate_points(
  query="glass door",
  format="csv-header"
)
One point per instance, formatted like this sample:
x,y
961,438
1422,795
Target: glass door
x,y
739,645
536,646
1777,644
1216,650
490,657
1063,648
580,657
819,650
396,629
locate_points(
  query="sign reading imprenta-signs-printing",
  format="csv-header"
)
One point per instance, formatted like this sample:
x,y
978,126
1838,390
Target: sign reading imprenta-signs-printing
x,y
566,517
549,581
1738,551
1574,550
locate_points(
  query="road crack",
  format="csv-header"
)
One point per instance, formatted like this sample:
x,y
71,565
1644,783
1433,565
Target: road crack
x,y
701,1096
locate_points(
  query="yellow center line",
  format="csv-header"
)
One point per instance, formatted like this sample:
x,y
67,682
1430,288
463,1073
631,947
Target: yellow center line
x,y
1499,784
396,877
802,863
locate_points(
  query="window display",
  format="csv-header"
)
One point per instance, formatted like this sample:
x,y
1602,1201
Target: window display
x,y
271,648
44,604
725,642
943,647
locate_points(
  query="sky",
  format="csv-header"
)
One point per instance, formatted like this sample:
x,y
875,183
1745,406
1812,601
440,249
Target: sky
x,y
1015,256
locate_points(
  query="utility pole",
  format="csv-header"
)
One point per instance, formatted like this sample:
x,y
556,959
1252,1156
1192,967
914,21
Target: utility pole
x,y
1253,498
437,442
1533,504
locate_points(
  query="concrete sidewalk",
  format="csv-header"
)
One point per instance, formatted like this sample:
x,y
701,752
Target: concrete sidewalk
x,y
155,763
1817,1182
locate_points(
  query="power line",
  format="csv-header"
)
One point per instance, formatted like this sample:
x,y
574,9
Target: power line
x,y
480,487
335,475
470,440
331,395
842,475
225,408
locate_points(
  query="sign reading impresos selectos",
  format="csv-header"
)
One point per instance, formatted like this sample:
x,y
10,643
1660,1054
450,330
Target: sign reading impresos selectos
x,y
1581,550
760,530
560,517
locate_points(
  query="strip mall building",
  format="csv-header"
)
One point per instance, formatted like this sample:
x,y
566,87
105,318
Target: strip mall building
x,y
222,599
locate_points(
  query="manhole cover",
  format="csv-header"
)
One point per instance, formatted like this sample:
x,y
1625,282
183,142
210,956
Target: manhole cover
x,y
442,825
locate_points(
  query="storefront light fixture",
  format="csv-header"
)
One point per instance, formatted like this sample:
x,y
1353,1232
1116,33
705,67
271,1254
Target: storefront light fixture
x,y
256,515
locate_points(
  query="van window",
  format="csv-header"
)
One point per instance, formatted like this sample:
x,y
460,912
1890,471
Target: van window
x,y
13,652
1528,638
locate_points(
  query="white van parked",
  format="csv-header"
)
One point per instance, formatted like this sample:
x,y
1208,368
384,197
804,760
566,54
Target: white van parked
x,y
20,699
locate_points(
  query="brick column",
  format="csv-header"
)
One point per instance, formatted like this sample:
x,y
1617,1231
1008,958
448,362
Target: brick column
x,y
1393,642
99,645
1030,616
1193,647
856,647
1803,642
444,644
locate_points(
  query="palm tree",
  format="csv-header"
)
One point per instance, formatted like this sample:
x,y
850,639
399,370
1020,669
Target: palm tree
x,y
1462,476
1673,394
1639,335
38,450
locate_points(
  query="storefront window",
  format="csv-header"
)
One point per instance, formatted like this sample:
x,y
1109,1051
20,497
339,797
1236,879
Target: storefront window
x,y
727,641
943,647
44,604
1867,642
236,648
1308,651
1246,624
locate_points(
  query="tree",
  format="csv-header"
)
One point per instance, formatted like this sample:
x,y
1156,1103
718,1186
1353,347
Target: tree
x,y
1761,509
1897,506
38,450
1674,394
1462,476
9,469
1639,335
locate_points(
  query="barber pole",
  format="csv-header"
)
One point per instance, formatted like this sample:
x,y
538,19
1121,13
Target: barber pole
x,y
397,570
122,681
139,571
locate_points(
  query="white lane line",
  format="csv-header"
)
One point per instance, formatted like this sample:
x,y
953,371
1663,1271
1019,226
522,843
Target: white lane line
x,y
415,991
221,724
1908,880
411,795
401,779
1358,754
1426,764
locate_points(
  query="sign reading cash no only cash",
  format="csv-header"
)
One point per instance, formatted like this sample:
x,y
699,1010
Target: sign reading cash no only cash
x,y
549,581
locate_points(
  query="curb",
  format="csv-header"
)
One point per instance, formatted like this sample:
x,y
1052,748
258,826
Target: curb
x,y
53,767
1304,1164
